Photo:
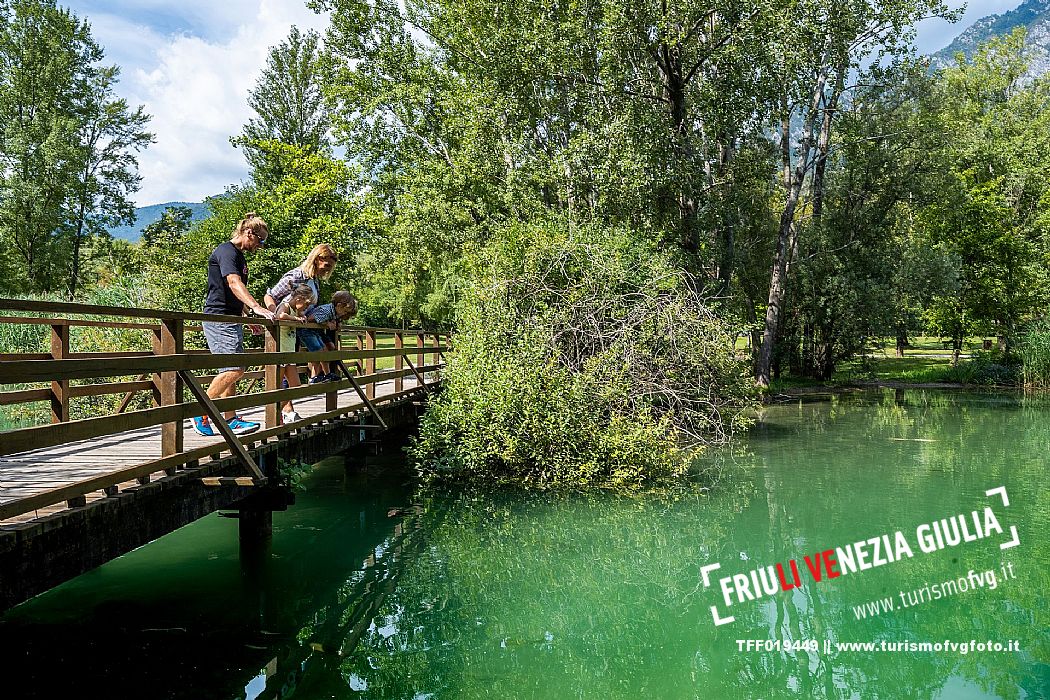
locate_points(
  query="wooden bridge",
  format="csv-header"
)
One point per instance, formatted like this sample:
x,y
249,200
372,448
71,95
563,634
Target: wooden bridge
x,y
100,457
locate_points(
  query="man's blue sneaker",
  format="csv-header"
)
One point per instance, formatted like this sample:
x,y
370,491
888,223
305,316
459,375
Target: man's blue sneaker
x,y
203,426
242,427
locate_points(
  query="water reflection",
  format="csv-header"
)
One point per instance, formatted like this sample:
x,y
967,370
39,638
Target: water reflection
x,y
194,615
598,596
479,595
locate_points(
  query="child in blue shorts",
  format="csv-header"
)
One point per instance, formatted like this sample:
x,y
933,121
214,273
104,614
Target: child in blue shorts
x,y
342,307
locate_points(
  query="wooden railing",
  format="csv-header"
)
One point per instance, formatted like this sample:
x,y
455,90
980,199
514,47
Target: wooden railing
x,y
164,372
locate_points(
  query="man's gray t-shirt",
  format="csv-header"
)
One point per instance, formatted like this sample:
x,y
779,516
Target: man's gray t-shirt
x,y
226,259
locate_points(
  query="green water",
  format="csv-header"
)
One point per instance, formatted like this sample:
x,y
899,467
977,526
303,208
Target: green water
x,y
372,590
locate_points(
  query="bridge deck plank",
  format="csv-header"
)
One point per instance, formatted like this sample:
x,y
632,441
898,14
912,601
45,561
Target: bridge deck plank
x,y
29,473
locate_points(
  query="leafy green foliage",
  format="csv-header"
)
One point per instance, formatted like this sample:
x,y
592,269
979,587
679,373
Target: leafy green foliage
x,y
581,358
68,147
311,203
992,212
1033,349
167,231
288,105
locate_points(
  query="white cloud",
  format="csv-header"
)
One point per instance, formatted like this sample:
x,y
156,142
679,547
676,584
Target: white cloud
x,y
195,86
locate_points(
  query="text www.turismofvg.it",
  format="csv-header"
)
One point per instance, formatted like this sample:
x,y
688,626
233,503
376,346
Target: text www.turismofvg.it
x,y
931,592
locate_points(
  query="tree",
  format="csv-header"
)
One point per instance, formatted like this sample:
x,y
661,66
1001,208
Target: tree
x,y
110,136
622,113
67,145
168,230
992,213
45,56
821,44
288,103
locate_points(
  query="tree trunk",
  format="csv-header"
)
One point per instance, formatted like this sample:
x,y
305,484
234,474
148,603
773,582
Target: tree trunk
x,y
902,340
787,235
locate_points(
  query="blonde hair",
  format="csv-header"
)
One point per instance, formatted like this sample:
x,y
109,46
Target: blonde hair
x,y
252,223
345,297
309,266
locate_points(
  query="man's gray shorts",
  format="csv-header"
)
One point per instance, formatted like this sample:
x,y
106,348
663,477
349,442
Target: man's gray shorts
x,y
224,339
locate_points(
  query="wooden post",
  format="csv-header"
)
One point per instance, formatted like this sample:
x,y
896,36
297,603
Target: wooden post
x,y
421,341
399,363
167,386
60,389
370,362
331,399
271,374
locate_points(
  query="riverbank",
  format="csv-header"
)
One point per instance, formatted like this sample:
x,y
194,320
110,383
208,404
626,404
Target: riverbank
x,y
925,369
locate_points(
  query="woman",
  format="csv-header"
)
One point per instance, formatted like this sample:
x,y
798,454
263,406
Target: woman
x,y
319,265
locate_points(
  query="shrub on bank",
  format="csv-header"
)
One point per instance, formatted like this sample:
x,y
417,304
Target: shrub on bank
x,y
986,369
1034,350
31,338
581,359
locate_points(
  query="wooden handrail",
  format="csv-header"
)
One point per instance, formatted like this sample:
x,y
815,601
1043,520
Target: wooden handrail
x,y
65,307
41,436
26,371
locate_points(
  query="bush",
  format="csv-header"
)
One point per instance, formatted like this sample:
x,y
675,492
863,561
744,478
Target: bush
x,y
581,359
986,369
1034,350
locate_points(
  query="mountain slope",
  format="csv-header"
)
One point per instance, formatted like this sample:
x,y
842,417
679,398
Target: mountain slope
x,y
144,216
1034,15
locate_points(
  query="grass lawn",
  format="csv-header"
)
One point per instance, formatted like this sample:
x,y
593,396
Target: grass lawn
x,y
925,361
916,368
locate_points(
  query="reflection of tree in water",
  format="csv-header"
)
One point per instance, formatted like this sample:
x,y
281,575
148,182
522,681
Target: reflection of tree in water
x,y
904,462
504,595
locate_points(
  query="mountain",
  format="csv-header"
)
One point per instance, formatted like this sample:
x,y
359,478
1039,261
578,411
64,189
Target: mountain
x,y
1031,14
144,216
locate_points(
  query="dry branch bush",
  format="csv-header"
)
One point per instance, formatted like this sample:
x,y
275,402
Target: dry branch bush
x,y
592,363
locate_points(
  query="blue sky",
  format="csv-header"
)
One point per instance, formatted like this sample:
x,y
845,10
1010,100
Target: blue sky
x,y
193,62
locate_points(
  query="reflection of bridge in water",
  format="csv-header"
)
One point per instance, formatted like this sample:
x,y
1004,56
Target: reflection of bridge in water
x,y
75,493
310,664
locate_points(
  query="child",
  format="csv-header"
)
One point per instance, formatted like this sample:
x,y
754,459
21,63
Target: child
x,y
342,306
293,308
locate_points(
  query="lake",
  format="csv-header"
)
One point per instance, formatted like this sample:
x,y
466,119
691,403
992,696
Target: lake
x,y
373,588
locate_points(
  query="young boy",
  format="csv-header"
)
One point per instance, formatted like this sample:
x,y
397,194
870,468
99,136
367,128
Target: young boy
x,y
342,307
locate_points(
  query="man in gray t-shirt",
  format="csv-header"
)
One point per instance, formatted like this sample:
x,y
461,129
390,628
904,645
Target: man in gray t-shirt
x,y
228,295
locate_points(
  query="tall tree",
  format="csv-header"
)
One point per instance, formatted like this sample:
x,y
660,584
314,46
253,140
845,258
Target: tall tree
x,y
110,136
45,56
67,145
288,102
821,43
